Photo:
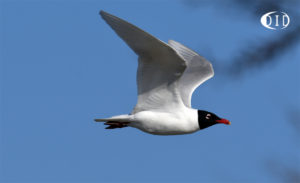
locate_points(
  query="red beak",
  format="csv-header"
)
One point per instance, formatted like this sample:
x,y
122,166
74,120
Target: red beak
x,y
225,121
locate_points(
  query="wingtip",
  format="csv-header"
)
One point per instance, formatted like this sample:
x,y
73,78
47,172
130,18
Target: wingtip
x,y
102,13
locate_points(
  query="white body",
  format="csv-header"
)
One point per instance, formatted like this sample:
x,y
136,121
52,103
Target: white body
x,y
163,123
167,76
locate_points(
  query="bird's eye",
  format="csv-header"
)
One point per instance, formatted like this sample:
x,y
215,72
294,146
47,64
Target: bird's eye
x,y
208,116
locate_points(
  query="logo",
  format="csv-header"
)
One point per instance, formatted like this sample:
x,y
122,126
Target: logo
x,y
275,20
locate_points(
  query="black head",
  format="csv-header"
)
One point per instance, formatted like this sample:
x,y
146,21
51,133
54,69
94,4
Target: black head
x,y
207,119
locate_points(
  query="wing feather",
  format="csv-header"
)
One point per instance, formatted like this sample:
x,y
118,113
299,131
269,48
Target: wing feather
x,y
198,71
159,66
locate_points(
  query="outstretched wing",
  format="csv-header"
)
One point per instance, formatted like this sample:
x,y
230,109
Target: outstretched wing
x,y
198,71
159,67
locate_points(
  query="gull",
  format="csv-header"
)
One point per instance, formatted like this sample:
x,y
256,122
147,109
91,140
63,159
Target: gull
x,y
167,75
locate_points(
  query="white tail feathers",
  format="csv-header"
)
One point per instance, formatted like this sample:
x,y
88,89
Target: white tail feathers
x,y
119,118
119,121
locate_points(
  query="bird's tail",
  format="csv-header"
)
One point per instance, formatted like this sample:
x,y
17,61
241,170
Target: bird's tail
x,y
119,121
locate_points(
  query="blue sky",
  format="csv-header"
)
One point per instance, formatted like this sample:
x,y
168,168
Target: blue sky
x,y
62,66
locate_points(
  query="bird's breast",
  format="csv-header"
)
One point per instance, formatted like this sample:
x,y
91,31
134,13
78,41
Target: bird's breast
x,y
166,123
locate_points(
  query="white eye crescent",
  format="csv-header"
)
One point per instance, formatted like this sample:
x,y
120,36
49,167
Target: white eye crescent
x,y
208,116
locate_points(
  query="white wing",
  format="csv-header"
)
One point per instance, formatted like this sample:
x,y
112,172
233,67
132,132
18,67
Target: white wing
x,y
159,67
198,71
